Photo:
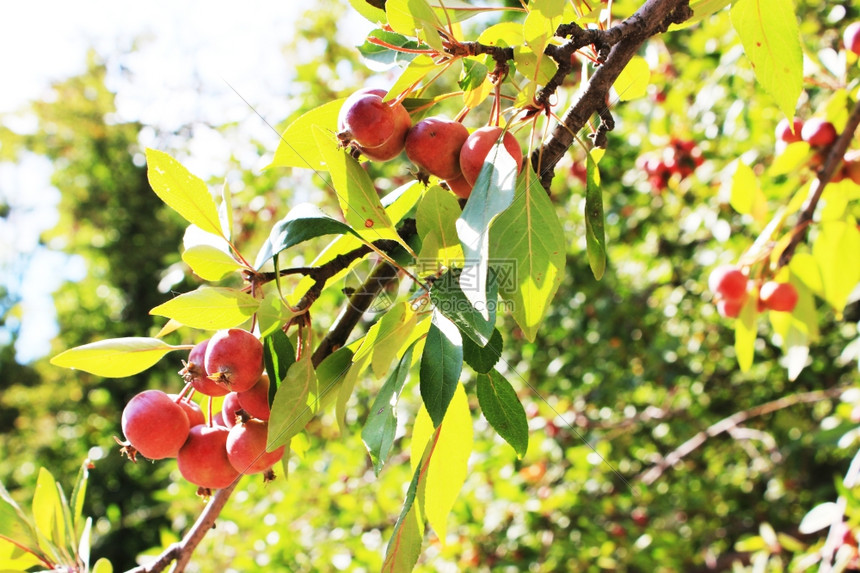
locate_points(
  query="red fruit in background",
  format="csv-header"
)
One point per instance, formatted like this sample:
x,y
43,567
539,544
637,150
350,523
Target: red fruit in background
x,y
191,409
195,373
234,359
230,409
203,459
433,144
728,282
256,400
818,132
851,165
784,133
478,145
365,119
246,447
778,296
851,37
460,187
730,308
154,425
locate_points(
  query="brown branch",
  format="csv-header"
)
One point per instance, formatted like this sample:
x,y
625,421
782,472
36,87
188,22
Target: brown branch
x,y
181,551
728,424
654,17
824,175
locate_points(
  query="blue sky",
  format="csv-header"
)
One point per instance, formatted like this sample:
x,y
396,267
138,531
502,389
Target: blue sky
x,y
177,58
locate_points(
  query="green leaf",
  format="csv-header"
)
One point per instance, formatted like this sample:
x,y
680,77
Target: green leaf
x,y
386,56
745,334
540,25
393,332
370,12
450,300
304,222
434,220
209,308
114,357
503,410
48,511
530,238
492,193
273,313
746,196
455,10
183,192
769,33
404,547
78,493
278,356
415,18
14,558
332,371
414,73
381,425
449,463
102,566
225,211
701,10
441,364
210,263
355,192
295,403
483,359
633,80
298,146
595,237
836,251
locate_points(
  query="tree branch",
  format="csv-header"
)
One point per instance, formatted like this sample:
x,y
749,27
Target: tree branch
x,y
824,175
728,424
654,17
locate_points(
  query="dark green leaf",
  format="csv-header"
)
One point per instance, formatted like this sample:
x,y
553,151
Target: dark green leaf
x,y
303,222
278,355
295,403
441,365
378,431
482,359
474,74
448,298
595,239
503,410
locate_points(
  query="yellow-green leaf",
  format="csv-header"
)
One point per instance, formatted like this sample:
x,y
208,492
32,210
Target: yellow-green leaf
x,y
48,510
837,251
769,33
14,559
209,308
114,357
746,195
295,403
210,263
633,80
182,191
102,566
414,18
434,220
745,334
298,146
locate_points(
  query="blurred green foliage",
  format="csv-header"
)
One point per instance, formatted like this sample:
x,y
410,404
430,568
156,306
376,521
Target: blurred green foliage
x,y
623,370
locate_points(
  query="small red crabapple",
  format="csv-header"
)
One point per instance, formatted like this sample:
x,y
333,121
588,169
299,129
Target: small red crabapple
x,y
234,359
728,282
777,296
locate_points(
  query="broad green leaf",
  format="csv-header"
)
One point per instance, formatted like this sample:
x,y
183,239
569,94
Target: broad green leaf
x,y
355,192
278,356
441,365
414,18
296,401
372,13
534,66
746,195
381,425
209,308
483,359
386,56
633,80
504,34
298,146
503,410
492,193
114,357
414,73
434,220
745,334
769,33
793,157
273,313
183,192
400,202
210,263
449,299
48,511
14,521
530,236
837,252
332,371
15,559
394,330
304,222
102,566
404,547
595,236
449,462
540,24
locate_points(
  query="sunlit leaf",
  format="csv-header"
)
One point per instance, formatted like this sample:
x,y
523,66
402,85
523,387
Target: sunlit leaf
x,y
529,235
414,73
449,299
633,80
503,410
746,194
414,18
114,357
298,146
770,35
210,263
15,559
373,14
394,330
383,55
701,10
434,220
48,511
102,566
745,334
209,308
404,547
76,502
441,365
595,236
296,401
836,251
278,356
183,192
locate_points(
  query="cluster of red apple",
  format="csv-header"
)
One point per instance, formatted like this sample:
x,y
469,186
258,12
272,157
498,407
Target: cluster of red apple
x,y
820,135
210,455
680,157
442,147
731,287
